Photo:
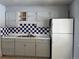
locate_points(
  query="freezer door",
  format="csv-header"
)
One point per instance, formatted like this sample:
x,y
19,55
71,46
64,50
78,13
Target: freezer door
x,y
62,26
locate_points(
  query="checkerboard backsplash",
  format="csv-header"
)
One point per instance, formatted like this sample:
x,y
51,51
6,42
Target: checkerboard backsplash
x,y
3,31
24,29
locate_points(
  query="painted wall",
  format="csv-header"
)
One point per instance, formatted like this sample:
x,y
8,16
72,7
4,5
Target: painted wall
x,y
2,15
75,13
36,13
2,21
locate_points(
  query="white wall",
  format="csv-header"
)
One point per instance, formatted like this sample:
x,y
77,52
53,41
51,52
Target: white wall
x,y
74,8
36,13
2,15
2,21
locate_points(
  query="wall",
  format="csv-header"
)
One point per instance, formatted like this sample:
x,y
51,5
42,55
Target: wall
x,y
36,13
2,15
2,21
75,13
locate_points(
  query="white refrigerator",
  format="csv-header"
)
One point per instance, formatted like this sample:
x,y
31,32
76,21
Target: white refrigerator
x,y
61,38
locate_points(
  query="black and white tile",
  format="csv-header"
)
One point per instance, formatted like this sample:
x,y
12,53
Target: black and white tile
x,y
25,29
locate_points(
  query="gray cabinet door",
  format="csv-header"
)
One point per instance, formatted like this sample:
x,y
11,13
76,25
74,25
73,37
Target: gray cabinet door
x,y
29,49
19,47
43,48
25,47
7,46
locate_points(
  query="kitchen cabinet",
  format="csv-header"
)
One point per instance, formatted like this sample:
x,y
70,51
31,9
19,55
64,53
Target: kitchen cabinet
x,y
25,47
7,46
42,48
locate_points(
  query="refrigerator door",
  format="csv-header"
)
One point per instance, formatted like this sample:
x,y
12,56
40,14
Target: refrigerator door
x,y
62,26
62,46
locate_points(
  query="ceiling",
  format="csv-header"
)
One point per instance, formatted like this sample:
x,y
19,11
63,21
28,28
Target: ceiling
x,y
33,2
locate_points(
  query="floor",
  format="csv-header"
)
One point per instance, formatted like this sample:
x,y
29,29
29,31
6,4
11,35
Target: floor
x,y
10,57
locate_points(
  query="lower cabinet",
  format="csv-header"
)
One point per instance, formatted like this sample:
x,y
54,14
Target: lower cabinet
x,y
25,47
42,48
7,46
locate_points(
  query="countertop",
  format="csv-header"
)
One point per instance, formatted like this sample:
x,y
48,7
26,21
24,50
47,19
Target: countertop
x,y
37,37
